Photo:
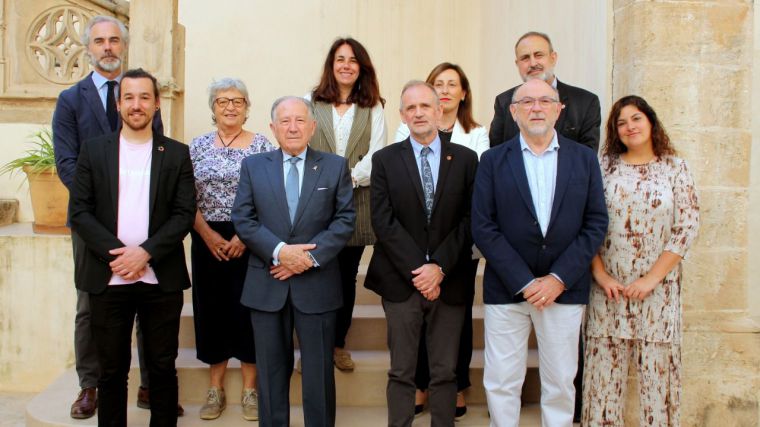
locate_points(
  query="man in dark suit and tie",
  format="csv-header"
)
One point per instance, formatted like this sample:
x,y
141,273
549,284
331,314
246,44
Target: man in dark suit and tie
x,y
580,117
538,217
85,111
294,211
421,190
132,203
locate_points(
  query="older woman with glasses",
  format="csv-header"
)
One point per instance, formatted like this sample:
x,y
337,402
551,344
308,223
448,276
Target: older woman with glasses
x,y
219,259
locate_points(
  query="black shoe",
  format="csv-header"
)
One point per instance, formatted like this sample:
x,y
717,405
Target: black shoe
x,y
418,409
460,412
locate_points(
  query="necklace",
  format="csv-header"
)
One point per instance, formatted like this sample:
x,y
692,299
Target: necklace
x,y
448,129
227,144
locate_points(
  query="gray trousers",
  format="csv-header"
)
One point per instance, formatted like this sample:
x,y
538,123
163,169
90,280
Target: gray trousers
x,y
85,353
444,324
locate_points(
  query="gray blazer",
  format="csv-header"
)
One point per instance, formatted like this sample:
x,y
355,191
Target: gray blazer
x,y
325,217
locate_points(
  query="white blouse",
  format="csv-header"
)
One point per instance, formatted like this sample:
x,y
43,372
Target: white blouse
x,y
377,140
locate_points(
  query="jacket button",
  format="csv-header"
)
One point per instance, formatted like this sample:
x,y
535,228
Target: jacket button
x,y
543,247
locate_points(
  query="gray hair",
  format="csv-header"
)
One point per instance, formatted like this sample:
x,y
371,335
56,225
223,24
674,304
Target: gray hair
x,y
414,83
226,83
280,100
104,18
517,89
536,34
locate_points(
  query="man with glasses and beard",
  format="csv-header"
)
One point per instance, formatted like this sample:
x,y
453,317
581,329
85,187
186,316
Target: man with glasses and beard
x,y
84,111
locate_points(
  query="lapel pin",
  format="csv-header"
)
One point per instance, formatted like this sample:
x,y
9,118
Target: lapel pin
x,y
160,148
448,157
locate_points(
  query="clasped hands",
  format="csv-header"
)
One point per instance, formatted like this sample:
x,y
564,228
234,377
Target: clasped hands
x,y
543,291
427,279
294,259
638,290
221,248
131,262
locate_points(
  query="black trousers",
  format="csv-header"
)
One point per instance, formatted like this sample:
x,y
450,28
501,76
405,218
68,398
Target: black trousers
x,y
348,260
113,314
422,376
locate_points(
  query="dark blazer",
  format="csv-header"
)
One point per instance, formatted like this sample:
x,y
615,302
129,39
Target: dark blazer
x,y
578,121
79,115
403,235
93,208
325,217
506,229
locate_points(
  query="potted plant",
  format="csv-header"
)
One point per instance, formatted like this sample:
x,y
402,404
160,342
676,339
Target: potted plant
x,y
50,198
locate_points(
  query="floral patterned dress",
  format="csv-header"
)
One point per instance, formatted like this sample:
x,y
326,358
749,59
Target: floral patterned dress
x,y
222,325
652,208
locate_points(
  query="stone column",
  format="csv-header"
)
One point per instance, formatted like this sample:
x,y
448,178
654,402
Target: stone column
x,y
157,44
693,62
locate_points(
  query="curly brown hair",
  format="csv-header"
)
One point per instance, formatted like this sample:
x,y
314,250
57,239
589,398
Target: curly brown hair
x,y
613,146
366,90
464,112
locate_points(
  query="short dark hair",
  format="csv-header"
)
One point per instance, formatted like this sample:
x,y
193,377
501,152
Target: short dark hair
x,y
366,90
613,146
139,73
536,34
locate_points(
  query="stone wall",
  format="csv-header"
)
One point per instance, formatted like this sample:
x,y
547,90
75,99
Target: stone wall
x,y
693,62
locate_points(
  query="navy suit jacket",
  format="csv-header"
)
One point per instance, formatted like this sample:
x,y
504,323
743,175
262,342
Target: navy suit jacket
x,y
579,120
325,217
94,209
506,230
79,115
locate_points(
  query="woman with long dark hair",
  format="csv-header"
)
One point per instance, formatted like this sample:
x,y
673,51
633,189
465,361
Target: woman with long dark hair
x,y
350,123
634,313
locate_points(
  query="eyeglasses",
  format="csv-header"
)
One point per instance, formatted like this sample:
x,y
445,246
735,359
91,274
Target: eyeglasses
x,y
528,103
236,102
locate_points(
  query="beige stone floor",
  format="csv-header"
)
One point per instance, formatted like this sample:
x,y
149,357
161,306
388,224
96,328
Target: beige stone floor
x,y
12,408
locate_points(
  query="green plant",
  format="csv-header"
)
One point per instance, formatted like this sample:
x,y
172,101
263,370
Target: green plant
x,y
40,158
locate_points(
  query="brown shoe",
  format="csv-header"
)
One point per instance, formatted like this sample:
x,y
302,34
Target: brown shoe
x,y
342,360
86,403
143,401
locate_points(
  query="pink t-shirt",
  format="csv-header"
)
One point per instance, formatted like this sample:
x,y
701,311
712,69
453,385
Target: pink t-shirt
x,y
134,201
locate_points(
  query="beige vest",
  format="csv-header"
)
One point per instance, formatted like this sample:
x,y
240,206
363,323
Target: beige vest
x,y
356,149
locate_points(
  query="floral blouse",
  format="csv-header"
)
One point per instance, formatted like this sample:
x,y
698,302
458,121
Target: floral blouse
x,y
217,172
652,208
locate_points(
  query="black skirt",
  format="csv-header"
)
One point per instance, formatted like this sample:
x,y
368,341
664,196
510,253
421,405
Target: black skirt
x,y
222,325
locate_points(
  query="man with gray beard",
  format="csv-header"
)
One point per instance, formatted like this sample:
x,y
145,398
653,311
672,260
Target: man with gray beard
x,y
85,111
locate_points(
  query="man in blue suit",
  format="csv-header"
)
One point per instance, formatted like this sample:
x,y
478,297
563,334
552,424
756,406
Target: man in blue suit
x,y
294,211
85,111
538,216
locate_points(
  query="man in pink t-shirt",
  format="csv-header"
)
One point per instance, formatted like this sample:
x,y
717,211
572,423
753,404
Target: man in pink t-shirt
x,y
133,202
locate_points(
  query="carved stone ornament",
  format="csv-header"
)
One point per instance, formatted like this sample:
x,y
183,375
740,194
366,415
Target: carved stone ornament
x,y
54,44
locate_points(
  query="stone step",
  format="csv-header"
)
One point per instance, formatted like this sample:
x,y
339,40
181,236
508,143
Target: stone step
x,y
51,408
368,328
365,386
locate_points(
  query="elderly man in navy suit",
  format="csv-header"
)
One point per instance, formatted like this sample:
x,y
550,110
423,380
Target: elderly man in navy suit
x,y
538,216
84,111
294,211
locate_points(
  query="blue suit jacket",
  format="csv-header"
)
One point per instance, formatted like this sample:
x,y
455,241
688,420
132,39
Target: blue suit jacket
x,y
79,115
506,230
325,217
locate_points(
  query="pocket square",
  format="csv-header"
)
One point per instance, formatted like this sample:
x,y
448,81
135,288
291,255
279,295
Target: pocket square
x,y
321,188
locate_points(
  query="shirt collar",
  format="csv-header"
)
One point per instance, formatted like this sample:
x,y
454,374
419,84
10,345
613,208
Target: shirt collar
x,y
99,80
553,146
554,82
286,157
435,146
